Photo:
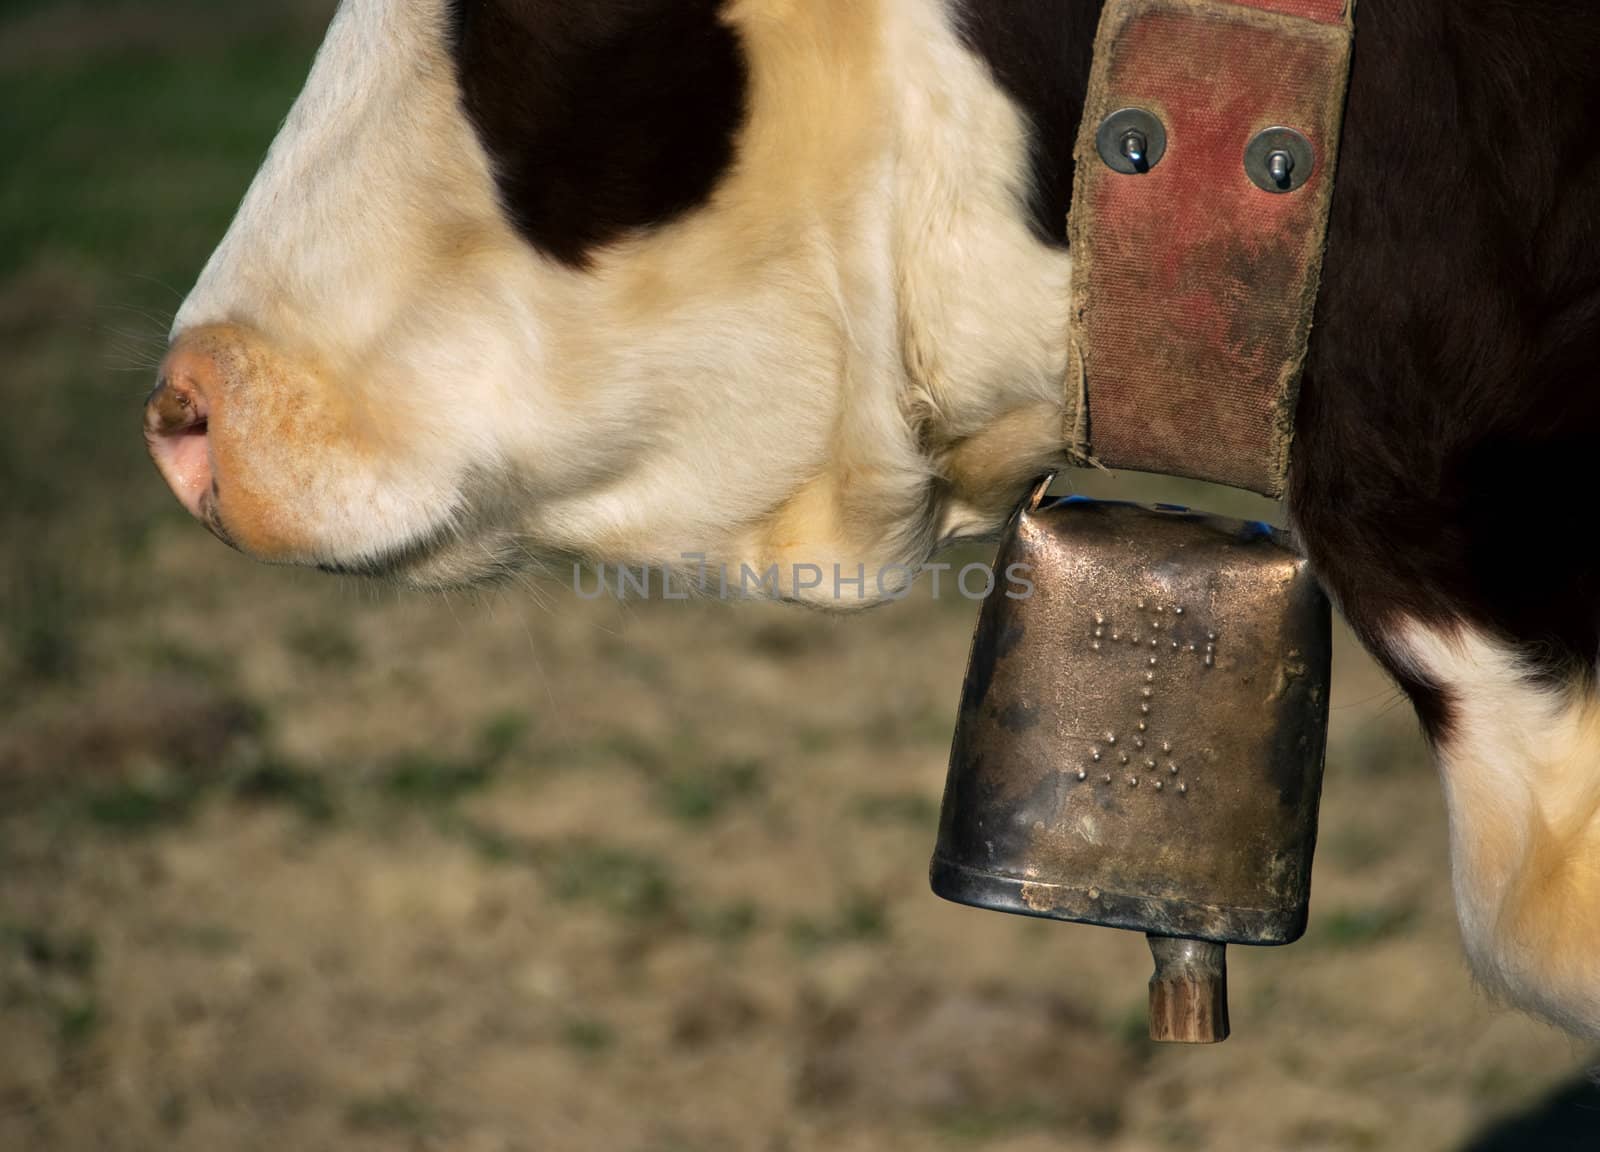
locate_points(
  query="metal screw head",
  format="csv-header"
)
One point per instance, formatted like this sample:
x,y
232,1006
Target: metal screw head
x,y
1135,147
1131,141
1280,160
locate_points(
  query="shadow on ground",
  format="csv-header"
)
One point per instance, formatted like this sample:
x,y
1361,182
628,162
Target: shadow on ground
x,y
1568,1121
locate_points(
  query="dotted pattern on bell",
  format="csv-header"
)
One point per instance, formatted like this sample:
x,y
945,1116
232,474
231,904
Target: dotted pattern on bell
x,y
1161,643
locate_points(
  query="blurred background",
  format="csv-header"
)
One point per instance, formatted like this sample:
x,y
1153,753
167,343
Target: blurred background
x,y
288,862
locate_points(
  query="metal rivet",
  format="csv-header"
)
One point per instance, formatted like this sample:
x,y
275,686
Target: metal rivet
x,y
1166,746
1124,757
1178,611
1145,708
1095,756
1106,779
1082,775
1279,160
1143,725
1184,788
1173,769
1135,148
1133,781
1131,141
1159,785
1111,737
1138,741
1097,645
1150,765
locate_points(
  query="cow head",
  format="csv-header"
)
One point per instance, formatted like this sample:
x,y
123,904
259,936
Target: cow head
x,y
630,279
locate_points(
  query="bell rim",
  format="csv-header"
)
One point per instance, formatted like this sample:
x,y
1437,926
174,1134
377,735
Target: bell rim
x,y
1042,900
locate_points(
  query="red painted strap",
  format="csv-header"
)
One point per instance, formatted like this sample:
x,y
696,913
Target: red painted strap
x,y
1322,11
1193,289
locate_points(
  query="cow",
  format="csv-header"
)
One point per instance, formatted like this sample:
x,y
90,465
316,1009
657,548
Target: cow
x,y
774,282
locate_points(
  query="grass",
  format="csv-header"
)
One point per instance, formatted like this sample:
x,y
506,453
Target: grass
x,y
625,882
165,788
59,969
73,954
731,924
429,780
389,1112
589,1035
279,782
325,646
861,918
698,796
988,1126
1364,927
142,806
167,800
425,779
912,809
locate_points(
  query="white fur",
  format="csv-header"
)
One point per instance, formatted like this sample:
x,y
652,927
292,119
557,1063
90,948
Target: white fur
x,y
758,382
1520,763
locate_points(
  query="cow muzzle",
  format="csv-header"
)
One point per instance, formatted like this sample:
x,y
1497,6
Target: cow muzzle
x,y
292,461
246,436
260,446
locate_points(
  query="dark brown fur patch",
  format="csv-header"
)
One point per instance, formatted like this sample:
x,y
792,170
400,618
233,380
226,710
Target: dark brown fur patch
x,y
602,117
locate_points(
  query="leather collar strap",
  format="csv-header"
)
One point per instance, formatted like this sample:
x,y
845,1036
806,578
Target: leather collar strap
x,y
1193,287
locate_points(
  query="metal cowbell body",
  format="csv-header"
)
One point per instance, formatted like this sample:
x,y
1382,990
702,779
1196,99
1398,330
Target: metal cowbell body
x,y
1141,741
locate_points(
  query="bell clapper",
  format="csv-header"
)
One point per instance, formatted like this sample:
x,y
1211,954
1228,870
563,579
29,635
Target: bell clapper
x,y
1188,992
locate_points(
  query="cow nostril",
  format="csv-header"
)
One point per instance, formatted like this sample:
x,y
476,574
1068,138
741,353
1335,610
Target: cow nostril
x,y
175,428
174,407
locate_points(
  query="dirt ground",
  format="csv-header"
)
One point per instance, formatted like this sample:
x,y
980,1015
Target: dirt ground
x,y
297,864
294,863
